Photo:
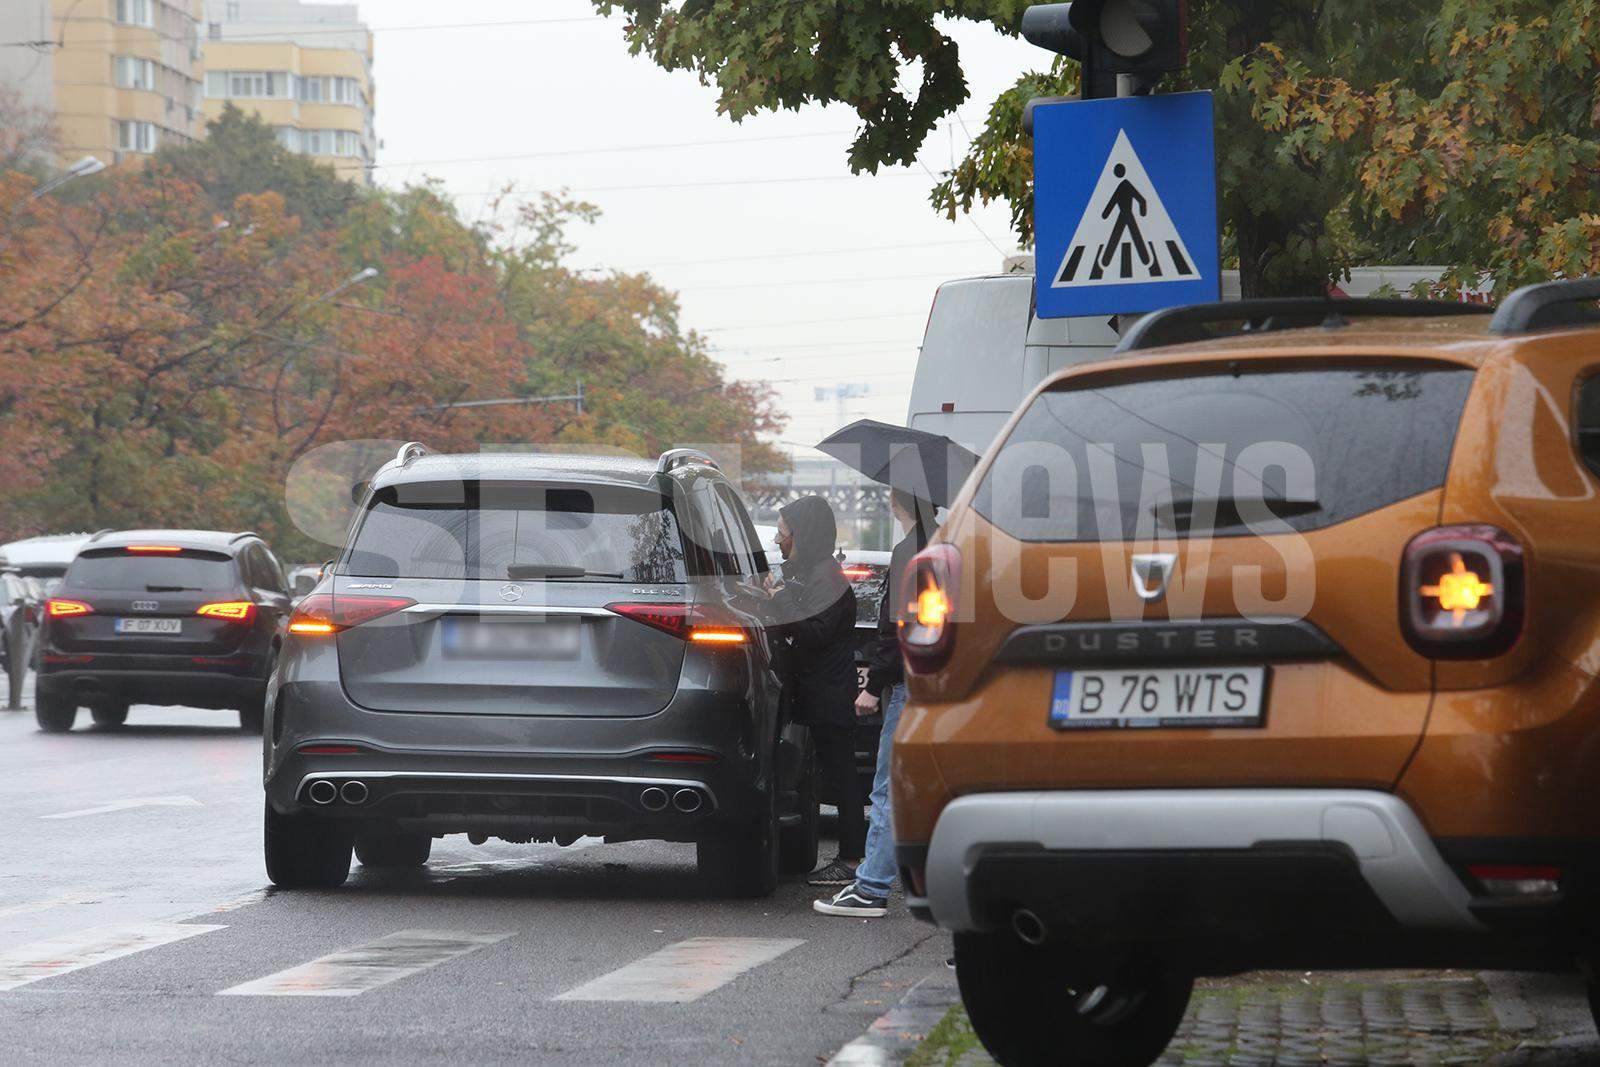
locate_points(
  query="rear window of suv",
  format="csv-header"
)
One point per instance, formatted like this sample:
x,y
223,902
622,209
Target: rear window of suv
x,y
1224,454
116,568
518,531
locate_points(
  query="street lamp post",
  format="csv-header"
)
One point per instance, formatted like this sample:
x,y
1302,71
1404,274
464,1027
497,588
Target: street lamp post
x,y
81,169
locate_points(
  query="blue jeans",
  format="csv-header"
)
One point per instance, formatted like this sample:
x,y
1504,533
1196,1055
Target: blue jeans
x,y
876,874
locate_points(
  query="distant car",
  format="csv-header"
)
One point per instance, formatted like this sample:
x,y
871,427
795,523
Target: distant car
x,y
19,614
304,578
536,648
188,617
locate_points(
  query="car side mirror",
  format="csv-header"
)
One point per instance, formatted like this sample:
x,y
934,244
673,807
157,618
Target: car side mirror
x,y
358,491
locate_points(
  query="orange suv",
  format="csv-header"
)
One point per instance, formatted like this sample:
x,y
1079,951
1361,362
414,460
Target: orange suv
x,y
1272,647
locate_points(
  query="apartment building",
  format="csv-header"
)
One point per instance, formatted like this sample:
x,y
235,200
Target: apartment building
x,y
120,77
305,68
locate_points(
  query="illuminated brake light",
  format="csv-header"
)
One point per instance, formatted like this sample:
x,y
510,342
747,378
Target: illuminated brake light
x,y
58,609
232,610
1462,592
331,613
154,548
694,623
926,621
717,635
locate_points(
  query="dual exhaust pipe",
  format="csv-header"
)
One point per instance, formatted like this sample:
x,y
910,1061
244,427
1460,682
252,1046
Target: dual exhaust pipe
x,y
323,792
655,798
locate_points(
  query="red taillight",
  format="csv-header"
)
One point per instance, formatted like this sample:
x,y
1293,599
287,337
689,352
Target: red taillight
x,y
232,610
858,573
1462,592
926,615
59,609
159,549
330,750
686,621
683,757
329,613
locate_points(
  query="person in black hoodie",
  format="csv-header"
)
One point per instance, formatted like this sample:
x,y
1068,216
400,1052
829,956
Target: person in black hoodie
x,y
868,893
816,609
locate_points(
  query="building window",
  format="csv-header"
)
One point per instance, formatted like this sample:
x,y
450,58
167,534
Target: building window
x,y
136,12
290,138
131,72
329,89
137,136
247,85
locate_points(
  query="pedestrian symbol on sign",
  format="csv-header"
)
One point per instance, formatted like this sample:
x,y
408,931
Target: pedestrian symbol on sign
x,y
1125,235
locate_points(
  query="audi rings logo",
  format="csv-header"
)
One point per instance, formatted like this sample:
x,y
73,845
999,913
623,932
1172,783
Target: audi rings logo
x,y
146,605
510,593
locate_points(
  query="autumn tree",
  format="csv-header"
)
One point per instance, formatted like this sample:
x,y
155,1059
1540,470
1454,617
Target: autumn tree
x,y
1459,132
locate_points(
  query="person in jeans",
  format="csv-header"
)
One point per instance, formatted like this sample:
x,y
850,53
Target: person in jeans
x,y
868,893
816,609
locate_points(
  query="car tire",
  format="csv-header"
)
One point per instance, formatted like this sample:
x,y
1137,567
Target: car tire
x,y
797,844
252,717
304,852
109,714
741,859
54,715
1036,1006
386,848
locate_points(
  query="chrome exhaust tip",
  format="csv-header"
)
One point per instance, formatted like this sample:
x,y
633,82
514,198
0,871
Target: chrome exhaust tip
x,y
653,799
686,801
1029,927
353,792
322,792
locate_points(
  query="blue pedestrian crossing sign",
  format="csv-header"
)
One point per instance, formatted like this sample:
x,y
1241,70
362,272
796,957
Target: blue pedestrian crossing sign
x,y
1125,205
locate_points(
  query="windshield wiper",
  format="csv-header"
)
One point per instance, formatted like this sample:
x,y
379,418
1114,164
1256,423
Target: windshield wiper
x,y
1226,513
532,571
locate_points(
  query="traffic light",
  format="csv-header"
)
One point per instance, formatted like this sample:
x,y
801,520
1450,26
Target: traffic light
x,y
1139,39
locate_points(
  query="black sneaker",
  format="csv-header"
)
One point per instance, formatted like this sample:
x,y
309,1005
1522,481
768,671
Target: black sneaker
x,y
852,901
836,873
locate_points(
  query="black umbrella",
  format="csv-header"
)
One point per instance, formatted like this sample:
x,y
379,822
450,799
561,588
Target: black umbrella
x,y
926,465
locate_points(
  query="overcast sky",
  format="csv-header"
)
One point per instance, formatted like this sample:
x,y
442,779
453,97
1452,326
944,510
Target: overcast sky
x,y
768,267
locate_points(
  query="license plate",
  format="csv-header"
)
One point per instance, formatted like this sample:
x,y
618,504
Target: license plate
x,y
531,640
1158,697
149,626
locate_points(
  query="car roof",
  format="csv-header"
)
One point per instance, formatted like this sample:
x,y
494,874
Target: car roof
x,y
527,466
212,540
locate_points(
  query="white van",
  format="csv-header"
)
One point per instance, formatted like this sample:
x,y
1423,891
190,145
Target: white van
x,y
984,349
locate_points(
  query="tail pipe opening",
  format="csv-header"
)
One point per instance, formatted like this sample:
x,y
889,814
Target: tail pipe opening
x,y
653,799
353,792
686,800
1029,927
322,792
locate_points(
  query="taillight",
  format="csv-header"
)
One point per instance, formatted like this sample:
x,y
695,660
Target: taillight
x,y
329,613
165,550
858,572
1462,592
58,609
232,610
688,622
926,616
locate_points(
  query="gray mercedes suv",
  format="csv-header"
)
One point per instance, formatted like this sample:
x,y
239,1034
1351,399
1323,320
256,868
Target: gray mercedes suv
x,y
537,647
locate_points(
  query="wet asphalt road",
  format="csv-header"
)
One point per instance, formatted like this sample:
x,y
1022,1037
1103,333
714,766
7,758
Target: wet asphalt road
x,y
132,895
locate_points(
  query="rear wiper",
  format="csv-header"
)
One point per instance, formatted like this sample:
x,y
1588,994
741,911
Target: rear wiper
x,y
530,571
172,589
1226,510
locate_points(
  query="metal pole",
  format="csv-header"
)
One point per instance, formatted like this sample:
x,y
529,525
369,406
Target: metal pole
x,y
1125,85
16,657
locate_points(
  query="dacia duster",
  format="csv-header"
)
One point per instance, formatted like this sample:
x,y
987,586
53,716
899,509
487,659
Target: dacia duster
x,y
1272,647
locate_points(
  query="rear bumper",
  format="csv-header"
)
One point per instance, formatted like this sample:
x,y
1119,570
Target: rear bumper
x,y
156,680
1079,854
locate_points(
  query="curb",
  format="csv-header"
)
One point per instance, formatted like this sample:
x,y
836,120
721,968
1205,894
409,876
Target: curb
x,y
897,1032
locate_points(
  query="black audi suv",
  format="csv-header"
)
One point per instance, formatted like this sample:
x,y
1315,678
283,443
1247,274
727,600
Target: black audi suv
x,y
538,647
189,617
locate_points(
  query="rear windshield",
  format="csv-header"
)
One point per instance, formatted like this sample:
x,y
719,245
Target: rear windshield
x,y
1224,454
152,573
518,531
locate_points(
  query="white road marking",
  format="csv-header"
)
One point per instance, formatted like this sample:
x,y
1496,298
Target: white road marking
x,y
124,805
352,971
685,971
32,906
85,948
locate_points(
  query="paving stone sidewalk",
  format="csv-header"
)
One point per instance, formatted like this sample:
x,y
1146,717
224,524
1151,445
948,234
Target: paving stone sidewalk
x,y
1280,1020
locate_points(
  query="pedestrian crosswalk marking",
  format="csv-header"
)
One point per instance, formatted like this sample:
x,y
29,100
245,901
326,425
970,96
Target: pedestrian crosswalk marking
x,y
685,971
353,971
39,960
1125,236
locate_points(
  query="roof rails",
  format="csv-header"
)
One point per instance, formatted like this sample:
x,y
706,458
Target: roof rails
x,y
1183,324
1549,306
410,451
673,458
240,536
98,534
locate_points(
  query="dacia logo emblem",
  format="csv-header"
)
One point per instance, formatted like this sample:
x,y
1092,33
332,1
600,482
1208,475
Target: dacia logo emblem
x,y
1151,572
511,593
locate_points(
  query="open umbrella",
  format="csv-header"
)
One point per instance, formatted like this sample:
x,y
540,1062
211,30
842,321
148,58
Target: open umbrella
x,y
926,465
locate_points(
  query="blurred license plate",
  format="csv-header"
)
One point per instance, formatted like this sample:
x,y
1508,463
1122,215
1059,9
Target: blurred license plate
x,y
1157,697
534,640
149,626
